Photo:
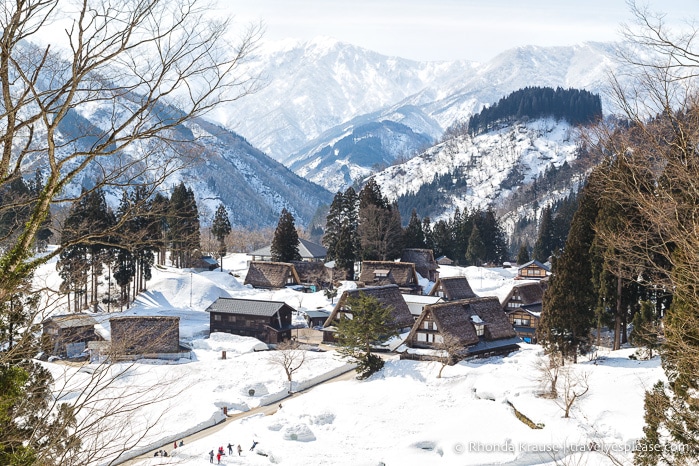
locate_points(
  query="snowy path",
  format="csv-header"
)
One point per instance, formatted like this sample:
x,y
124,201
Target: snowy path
x,y
267,410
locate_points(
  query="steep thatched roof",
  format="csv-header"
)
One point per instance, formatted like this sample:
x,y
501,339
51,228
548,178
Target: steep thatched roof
x,y
387,295
458,319
396,273
263,274
423,260
453,288
313,272
497,325
529,293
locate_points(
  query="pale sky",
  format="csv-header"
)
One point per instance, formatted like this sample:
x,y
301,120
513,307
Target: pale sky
x,y
449,29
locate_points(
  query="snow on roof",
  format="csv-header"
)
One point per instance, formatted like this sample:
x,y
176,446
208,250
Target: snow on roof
x,y
246,306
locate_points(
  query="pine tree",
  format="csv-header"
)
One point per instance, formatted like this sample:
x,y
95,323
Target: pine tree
x,y
371,323
379,228
523,254
475,252
341,237
183,222
285,245
645,331
221,228
569,301
543,247
414,237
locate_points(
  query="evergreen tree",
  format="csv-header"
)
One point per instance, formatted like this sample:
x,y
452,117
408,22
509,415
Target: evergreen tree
x,y
523,254
543,248
569,301
475,252
341,238
371,323
645,331
427,231
221,228
414,237
285,245
379,228
442,239
183,223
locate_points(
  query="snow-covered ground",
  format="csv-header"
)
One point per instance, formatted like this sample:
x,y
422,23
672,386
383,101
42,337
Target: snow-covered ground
x,y
402,415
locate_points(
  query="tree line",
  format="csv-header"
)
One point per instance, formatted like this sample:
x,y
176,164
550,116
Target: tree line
x,y
366,226
578,107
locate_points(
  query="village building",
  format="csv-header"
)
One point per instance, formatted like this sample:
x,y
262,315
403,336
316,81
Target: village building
x,y
313,276
402,274
525,321
523,294
309,251
316,318
268,321
452,288
444,260
388,296
144,336
478,325
271,275
424,262
205,263
68,335
532,270
417,302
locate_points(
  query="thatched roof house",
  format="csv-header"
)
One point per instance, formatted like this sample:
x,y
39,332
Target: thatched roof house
x,y
417,302
444,260
424,262
313,273
271,275
477,324
388,296
379,273
452,288
310,252
523,294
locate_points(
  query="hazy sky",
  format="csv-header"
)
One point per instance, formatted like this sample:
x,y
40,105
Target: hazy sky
x,y
449,29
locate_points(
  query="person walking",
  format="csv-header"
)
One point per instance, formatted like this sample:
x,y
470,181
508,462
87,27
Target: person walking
x,y
218,458
211,456
240,450
230,449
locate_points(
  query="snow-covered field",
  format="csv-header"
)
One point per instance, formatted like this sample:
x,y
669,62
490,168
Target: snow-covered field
x,y
402,415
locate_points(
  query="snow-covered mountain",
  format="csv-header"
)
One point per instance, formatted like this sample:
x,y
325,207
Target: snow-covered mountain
x,y
319,92
481,171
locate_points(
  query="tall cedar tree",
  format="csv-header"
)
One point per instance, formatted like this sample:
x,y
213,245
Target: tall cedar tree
x,y
475,251
543,247
569,301
369,323
414,236
221,228
523,254
341,237
183,222
285,245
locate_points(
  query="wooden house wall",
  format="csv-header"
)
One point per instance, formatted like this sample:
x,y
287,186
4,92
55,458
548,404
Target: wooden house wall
x,y
252,326
532,271
525,325
59,337
145,335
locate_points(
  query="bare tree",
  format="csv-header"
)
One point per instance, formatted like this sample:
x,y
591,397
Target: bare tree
x,y
448,350
574,386
290,357
105,103
548,369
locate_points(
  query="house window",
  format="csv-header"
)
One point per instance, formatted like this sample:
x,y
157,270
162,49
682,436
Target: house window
x,y
290,280
440,293
521,321
479,329
429,325
231,318
217,317
380,273
421,336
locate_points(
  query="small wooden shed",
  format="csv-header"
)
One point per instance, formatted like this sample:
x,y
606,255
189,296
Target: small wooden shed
x,y
68,335
268,321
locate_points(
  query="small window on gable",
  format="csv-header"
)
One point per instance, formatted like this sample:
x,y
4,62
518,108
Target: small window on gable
x,y
380,273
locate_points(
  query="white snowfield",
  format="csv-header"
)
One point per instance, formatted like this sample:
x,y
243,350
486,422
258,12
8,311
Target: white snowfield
x,y
402,415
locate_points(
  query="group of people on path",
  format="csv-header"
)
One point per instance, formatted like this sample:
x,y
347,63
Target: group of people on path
x,y
164,452
221,453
